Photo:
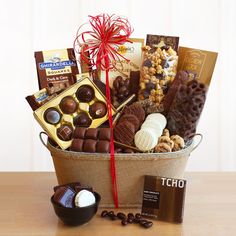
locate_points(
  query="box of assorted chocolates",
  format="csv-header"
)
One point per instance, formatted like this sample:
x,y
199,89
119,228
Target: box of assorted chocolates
x,y
157,98
81,105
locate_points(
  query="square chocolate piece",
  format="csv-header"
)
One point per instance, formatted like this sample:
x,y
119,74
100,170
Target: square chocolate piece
x,y
64,196
77,145
89,145
104,134
103,146
91,133
79,132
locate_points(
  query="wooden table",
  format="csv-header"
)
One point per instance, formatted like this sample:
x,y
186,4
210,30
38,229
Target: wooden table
x,y
25,209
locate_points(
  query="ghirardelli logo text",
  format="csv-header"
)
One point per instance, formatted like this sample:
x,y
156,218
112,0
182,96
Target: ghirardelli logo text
x,y
194,61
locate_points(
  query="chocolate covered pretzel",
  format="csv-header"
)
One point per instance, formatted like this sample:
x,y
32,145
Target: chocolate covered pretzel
x,y
186,109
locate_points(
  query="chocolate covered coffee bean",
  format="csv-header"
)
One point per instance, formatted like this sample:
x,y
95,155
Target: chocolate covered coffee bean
x,y
120,91
126,220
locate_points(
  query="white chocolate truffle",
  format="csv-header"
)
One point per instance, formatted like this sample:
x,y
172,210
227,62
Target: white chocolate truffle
x,y
84,198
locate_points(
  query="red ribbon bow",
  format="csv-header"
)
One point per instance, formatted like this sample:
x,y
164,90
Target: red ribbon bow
x,y
101,43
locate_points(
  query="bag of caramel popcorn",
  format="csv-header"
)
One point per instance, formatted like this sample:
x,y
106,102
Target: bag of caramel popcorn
x,y
158,69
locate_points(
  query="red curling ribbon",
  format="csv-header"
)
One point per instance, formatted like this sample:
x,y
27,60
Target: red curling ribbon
x,y
98,47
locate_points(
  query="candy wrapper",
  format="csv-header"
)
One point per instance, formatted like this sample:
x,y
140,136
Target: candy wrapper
x,y
56,69
159,66
185,100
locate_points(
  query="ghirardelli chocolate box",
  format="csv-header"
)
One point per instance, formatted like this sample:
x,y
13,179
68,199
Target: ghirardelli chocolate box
x,y
56,69
163,198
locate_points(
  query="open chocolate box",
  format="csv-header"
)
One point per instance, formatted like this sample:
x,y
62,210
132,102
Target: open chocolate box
x,y
82,104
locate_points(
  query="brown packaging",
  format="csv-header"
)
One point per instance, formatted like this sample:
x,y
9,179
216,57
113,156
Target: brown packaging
x,y
162,40
38,99
56,69
163,198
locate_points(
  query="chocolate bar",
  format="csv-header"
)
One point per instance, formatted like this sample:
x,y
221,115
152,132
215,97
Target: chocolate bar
x,y
163,198
40,98
91,140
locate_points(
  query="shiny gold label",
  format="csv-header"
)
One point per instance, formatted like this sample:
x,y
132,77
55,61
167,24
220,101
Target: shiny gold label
x,y
199,63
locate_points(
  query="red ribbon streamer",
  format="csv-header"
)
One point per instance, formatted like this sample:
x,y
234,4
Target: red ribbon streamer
x,y
101,43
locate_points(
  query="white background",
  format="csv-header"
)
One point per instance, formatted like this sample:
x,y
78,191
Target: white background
x,y
27,26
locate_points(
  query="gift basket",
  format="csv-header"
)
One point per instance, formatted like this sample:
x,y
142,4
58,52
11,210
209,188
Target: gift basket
x,y
132,111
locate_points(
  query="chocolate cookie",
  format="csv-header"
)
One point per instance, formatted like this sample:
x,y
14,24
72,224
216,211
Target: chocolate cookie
x,y
132,119
137,110
124,132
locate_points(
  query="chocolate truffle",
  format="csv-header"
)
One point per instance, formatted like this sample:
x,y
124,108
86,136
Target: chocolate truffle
x,y
85,93
52,116
68,105
98,110
91,133
79,132
89,145
77,145
82,119
65,132
103,146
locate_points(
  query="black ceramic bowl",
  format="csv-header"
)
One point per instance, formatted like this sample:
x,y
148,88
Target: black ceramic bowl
x,y
77,215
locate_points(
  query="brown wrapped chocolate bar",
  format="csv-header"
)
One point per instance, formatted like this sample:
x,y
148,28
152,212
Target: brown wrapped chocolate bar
x,y
158,68
56,69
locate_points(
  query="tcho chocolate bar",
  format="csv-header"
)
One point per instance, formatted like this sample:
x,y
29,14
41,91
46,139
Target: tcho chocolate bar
x,y
56,69
163,198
